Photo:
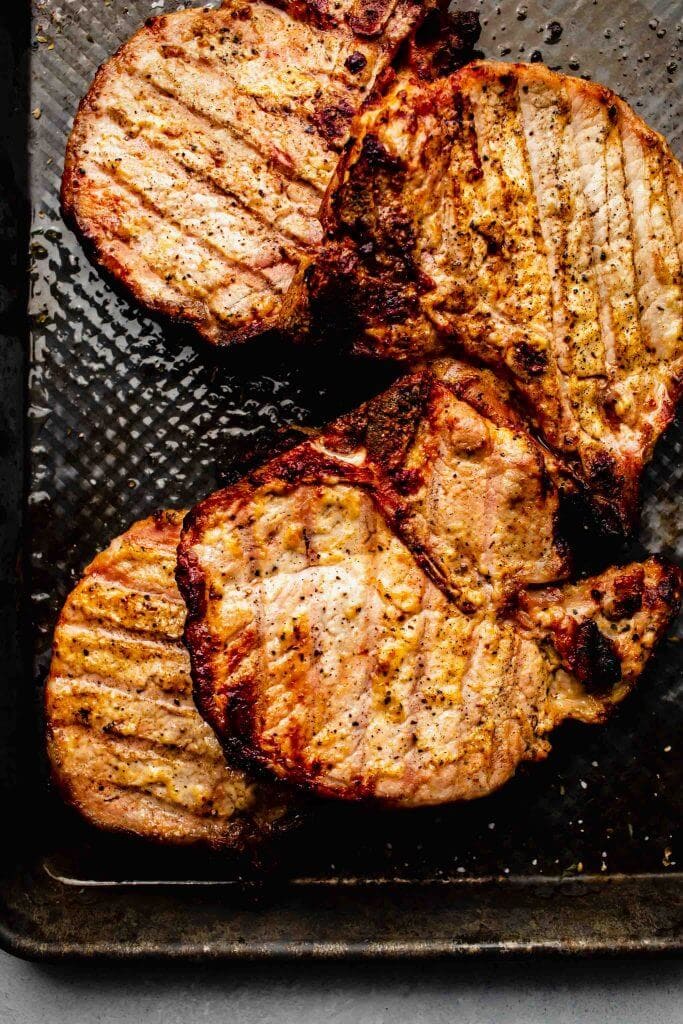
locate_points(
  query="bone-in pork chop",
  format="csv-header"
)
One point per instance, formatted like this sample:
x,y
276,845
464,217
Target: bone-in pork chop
x,y
127,745
200,155
360,618
532,221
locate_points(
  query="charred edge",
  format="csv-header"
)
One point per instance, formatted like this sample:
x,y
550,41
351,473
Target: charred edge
x,y
604,476
242,748
624,597
305,465
593,659
345,298
392,422
489,399
368,17
593,535
367,272
334,120
444,43
529,362
667,589
168,522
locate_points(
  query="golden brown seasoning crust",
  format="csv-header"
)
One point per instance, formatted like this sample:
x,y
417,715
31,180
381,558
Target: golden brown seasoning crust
x,y
533,221
127,745
359,618
604,629
200,155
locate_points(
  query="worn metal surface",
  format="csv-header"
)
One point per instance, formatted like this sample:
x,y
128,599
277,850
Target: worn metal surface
x,y
125,417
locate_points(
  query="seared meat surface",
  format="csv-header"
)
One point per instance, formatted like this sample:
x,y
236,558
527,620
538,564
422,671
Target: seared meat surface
x,y
535,223
127,746
200,155
359,614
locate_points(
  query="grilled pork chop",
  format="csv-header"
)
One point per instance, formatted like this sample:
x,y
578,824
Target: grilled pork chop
x,y
127,746
200,155
359,618
533,221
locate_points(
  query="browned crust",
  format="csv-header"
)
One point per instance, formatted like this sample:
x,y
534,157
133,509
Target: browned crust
x,y
367,21
367,268
178,314
605,667
385,427
605,628
239,834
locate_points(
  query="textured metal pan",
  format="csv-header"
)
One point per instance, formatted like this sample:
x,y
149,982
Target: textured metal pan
x,y
124,416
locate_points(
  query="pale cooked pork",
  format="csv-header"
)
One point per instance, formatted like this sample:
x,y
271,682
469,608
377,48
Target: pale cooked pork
x,y
359,614
127,746
200,155
532,221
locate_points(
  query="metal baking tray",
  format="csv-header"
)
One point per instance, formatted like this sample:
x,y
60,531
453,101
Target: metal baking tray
x,y
106,416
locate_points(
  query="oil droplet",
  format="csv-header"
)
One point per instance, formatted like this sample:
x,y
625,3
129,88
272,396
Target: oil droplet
x,y
536,57
522,12
574,63
672,67
553,33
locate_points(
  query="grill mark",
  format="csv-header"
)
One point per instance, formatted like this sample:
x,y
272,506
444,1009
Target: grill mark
x,y
215,122
222,69
187,297
454,249
414,697
555,352
266,22
220,191
503,714
464,153
124,636
648,252
454,590
305,507
666,197
365,714
202,825
327,706
170,597
132,744
628,335
589,305
521,216
250,550
176,753
126,628
368,641
93,685
674,184
153,693
175,680
138,578
204,241
132,583
557,244
631,234
475,642
487,163
604,276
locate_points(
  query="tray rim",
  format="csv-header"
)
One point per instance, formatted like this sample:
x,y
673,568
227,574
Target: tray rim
x,y
624,897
